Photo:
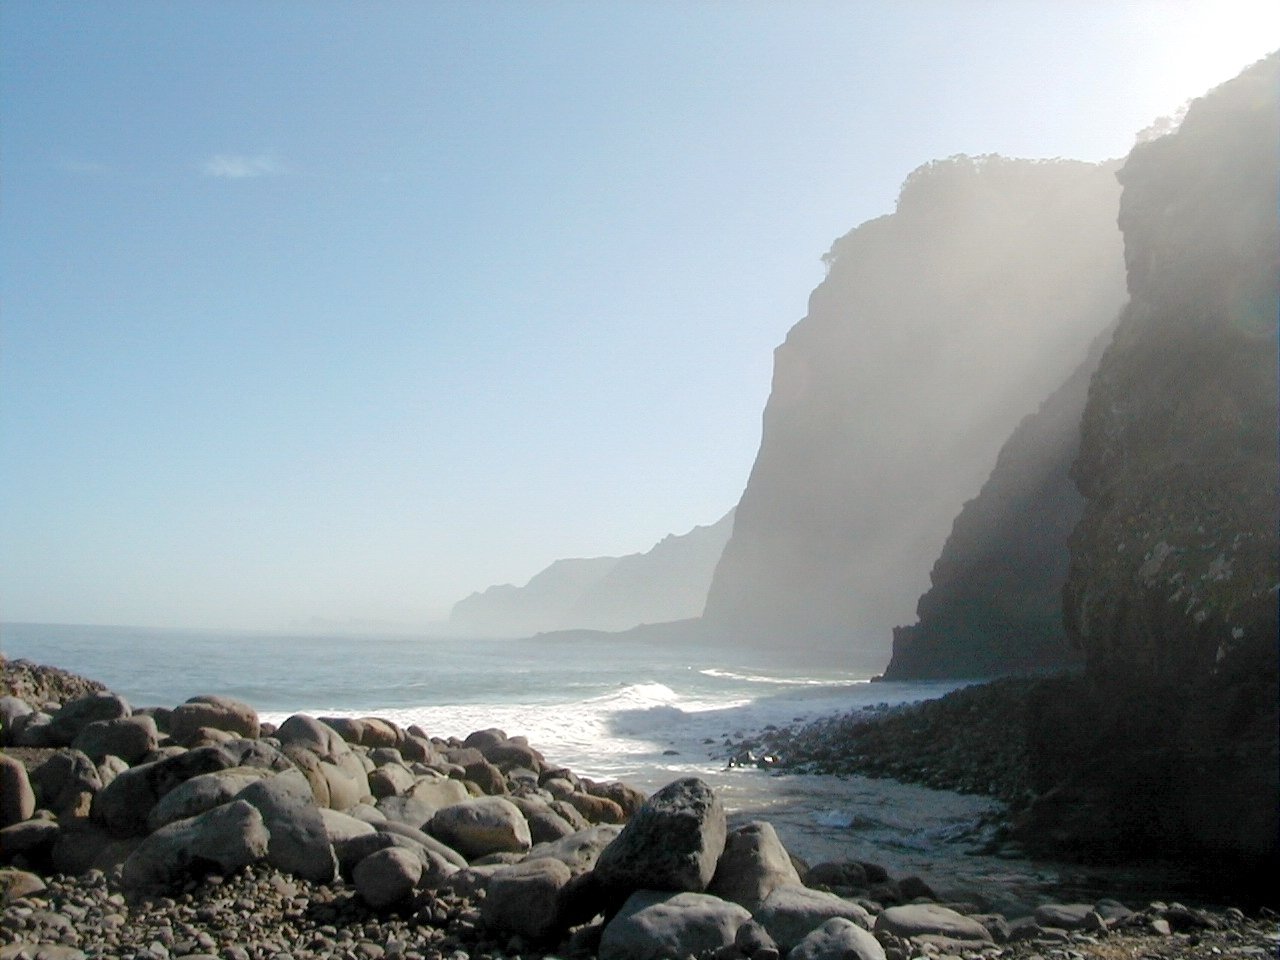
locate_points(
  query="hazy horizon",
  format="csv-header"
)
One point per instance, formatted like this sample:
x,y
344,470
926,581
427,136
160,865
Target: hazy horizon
x,y
335,314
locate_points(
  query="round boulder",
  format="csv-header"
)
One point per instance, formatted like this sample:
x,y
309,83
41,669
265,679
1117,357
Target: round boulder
x,y
216,713
654,925
476,828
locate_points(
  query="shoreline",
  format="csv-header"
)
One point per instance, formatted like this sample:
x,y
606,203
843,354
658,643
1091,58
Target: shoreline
x,y
446,919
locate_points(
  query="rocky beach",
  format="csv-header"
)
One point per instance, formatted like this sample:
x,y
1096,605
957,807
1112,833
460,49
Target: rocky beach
x,y
198,831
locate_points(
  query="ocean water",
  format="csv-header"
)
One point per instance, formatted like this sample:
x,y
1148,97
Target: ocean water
x,y
605,709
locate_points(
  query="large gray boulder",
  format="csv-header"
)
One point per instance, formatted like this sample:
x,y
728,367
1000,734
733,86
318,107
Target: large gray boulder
x,y
77,714
931,920
123,805
215,713
342,826
443,850
203,792
838,939
753,865
524,899
230,837
437,791
129,738
11,708
408,810
299,840
790,914
580,850
17,799
660,925
303,731
485,825
387,877
672,843
545,825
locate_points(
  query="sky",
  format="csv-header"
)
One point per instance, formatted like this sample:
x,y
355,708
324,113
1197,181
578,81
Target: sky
x,y
325,315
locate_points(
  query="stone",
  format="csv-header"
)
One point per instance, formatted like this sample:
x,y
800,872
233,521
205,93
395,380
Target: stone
x,y
627,797
342,826
10,709
76,714
672,843
129,738
513,753
202,792
390,780
523,899
307,732
790,914
438,792
216,713
15,884
123,805
1065,916
299,841
596,809
753,865
545,825
931,919
17,799
66,781
837,874
387,877
110,767
231,836
660,925
443,850
408,810
378,732
481,826
31,839
486,776
838,939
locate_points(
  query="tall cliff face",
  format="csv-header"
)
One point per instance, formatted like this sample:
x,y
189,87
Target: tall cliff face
x,y
667,582
995,604
934,333
1174,567
1170,742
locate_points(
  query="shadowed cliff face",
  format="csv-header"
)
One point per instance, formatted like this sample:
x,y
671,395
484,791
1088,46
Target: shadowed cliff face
x,y
995,604
936,330
1169,745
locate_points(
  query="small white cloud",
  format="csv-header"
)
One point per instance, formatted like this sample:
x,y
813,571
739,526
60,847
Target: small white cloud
x,y
238,166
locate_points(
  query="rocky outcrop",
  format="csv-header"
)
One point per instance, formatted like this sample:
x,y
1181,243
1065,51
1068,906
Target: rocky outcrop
x,y
995,604
1172,589
668,582
934,333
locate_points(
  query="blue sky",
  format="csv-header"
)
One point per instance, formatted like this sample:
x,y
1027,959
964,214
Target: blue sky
x,y
335,312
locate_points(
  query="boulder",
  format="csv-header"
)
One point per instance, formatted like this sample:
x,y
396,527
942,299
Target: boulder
x,y
481,826
66,783
930,919
790,914
342,826
1064,916
596,809
408,810
124,804
837,874
486,776
659,925
838,939
378,732
202,792
627,797
303,731
753,865
523,899
390,780
216,713
438,791
259,754
228,837
387,877
32,730
11,708
545,825
77,714
15,884
442,850
17,799
109,768
129,738
32,840
348,728
672,843
299,842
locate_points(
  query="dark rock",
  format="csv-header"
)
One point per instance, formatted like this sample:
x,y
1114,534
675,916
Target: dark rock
x,y
79,713
753,865
17,799
656,925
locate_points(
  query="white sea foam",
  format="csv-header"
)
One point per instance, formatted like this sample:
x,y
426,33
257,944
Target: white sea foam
x,y
784,681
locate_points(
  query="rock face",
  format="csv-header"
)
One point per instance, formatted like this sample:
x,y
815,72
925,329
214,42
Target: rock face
x,y
668,582
1172,585
931,337
995,606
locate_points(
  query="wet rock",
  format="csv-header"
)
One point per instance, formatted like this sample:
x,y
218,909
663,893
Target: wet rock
x,y
672,843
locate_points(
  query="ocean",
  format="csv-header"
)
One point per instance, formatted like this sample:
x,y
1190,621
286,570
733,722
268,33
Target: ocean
x,y
605,709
